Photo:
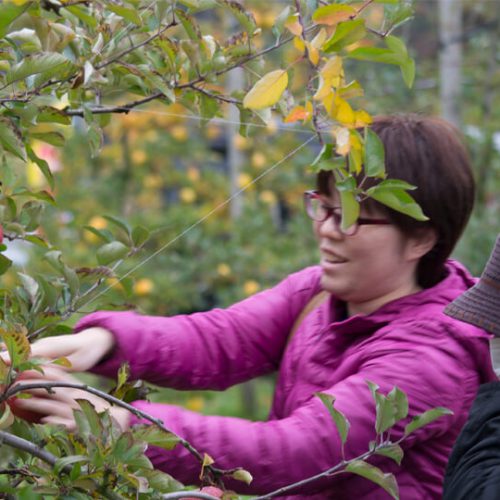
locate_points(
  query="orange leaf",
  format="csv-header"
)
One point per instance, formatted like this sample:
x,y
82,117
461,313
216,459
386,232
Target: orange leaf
x,y
293,25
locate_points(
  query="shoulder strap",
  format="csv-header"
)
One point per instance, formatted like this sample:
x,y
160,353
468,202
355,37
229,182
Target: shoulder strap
x,y
318,299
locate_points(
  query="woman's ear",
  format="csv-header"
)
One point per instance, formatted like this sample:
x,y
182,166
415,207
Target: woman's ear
x,y
421,243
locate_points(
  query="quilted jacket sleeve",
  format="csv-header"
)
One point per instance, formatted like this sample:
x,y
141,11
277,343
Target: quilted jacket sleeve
x,y
209,350
474,467
305,443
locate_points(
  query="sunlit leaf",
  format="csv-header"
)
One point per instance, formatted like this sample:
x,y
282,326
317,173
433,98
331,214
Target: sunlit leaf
x,y
267,91
333,14
345,34
242,475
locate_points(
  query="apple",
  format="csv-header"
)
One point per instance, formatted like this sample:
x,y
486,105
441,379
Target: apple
x,y
209,490
29,416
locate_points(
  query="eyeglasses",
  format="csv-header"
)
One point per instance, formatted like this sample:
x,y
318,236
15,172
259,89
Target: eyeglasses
x,y
317,210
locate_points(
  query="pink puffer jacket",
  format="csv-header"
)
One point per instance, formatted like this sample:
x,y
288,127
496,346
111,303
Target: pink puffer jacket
x,y
409,342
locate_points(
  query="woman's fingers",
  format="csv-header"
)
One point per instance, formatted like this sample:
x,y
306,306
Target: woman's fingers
x,y
83,350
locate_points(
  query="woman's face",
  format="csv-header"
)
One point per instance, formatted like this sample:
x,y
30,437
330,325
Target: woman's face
x,y
370,268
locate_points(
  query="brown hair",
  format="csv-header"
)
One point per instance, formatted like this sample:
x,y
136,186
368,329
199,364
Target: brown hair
x,y
427,152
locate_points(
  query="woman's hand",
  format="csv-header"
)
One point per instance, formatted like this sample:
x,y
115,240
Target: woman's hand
x,y
57,407
83,350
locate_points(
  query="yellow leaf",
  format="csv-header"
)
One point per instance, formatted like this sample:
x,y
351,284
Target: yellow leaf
x,y
267,91
293,25
319,39
330,75
333,14
329,102
344,114
353,89
313,54
299,44
362,118
342,140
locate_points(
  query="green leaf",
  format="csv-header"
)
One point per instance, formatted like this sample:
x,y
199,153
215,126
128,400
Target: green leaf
x,y
5,263
63,462
140,235
350,208
192,29
11,140
42,165
8,13
393,451
53,137
105,235
242,475
374,155
130,15
374,54
155,436
396,184
91,416
368,471
338,417
161,482
398,200
111,252
82,14
123,375
408,71
17,343
244,17
46,114
345,34
119,223
399,402
426,418
30,285
37,63
54,259
279,22
385,413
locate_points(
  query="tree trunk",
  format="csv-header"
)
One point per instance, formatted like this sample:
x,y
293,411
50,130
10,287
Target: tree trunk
x,y
450,59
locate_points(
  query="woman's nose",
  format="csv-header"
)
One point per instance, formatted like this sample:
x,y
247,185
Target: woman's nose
x,y
329,228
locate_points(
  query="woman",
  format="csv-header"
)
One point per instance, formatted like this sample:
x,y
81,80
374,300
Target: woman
x,y
387,279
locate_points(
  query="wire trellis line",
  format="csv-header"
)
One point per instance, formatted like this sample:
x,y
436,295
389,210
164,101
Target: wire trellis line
x,y
201,220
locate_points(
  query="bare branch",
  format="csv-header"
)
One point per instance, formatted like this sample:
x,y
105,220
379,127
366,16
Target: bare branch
x,y
27,446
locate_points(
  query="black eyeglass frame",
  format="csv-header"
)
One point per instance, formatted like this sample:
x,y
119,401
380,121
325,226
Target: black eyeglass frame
x,y
336,214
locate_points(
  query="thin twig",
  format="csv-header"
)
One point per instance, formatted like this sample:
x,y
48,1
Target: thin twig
x,y
135,47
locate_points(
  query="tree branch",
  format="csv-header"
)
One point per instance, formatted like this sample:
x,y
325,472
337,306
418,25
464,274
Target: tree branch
x,y
28,447
135,47
48,386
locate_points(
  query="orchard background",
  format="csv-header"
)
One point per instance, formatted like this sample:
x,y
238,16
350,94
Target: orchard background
x,y
154,154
